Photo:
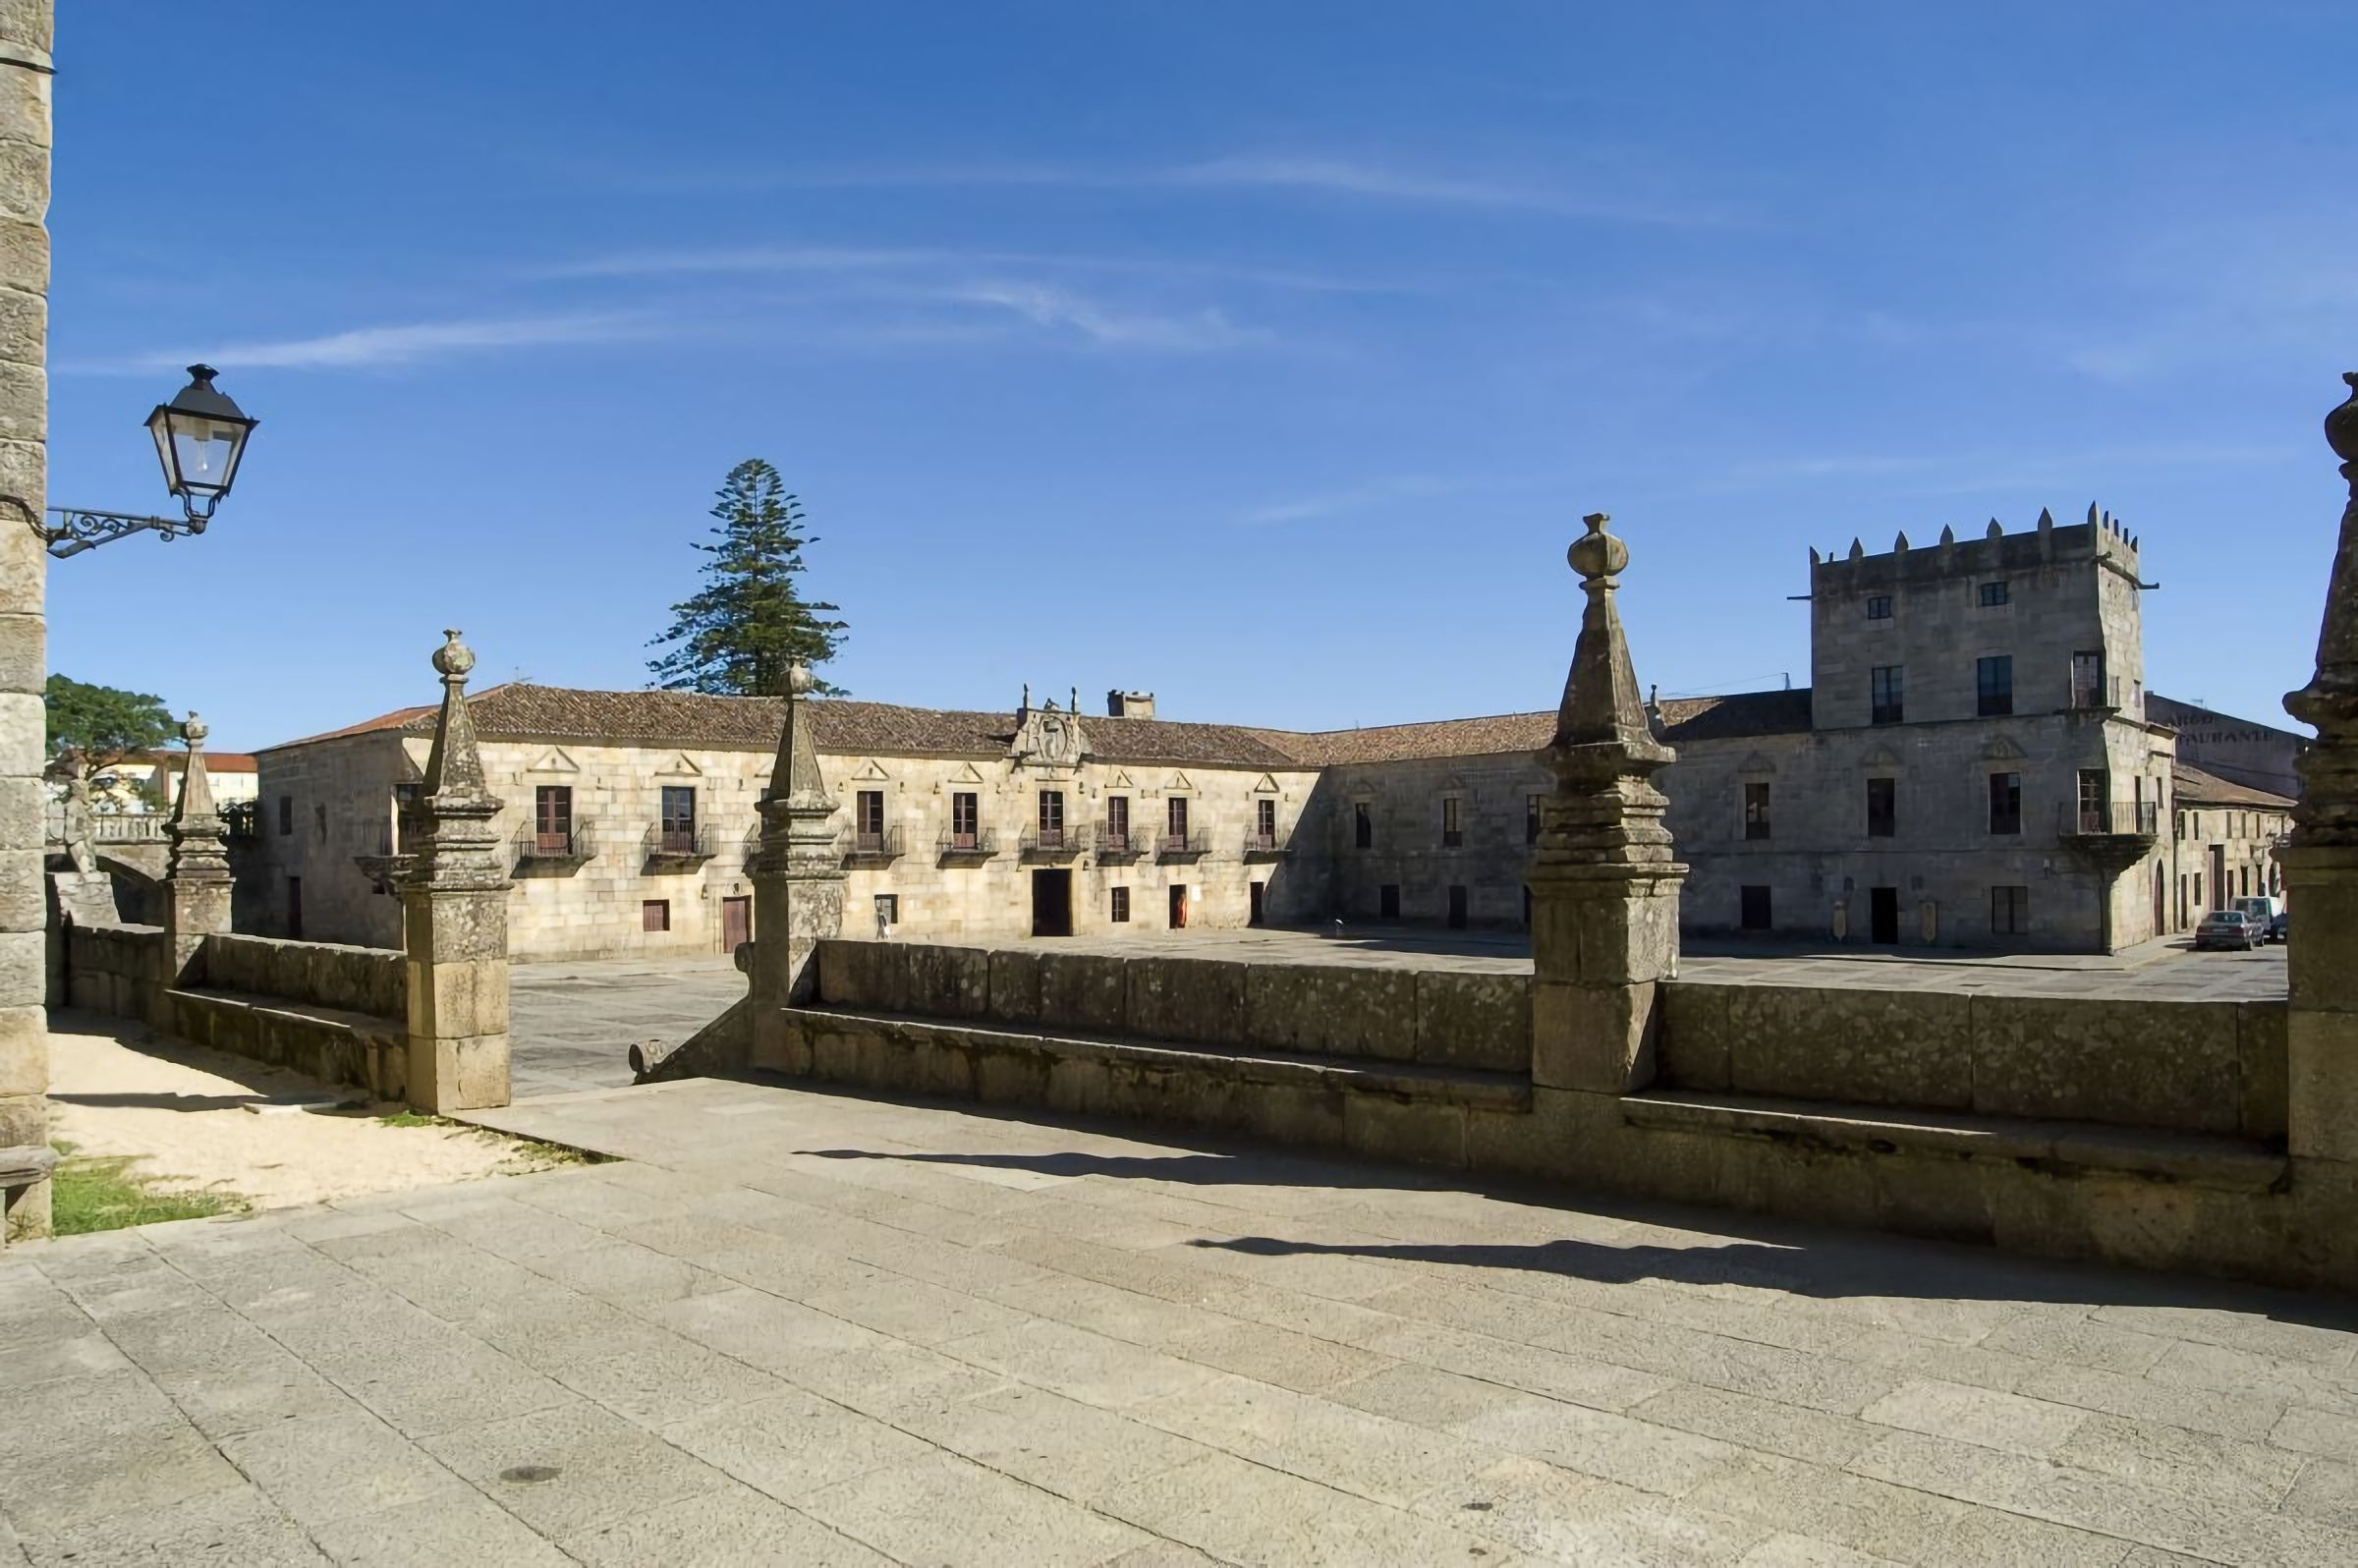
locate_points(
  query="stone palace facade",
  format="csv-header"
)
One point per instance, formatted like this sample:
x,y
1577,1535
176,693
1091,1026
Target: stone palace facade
x,y
1972,765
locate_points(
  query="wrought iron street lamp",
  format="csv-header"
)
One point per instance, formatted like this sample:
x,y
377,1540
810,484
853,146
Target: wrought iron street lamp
x,y
200,436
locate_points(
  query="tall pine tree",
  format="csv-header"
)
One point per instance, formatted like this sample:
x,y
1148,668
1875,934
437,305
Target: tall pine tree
x,y
747,624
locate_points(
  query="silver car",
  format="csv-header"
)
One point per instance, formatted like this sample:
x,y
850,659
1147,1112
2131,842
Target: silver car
x,y
2230,927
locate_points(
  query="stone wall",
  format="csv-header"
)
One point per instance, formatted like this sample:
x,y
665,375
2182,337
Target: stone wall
x,y
355,980
1431,1018
115,970
2200,1067
1409,850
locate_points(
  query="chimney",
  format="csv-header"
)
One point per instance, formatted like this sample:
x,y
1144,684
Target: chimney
x,y
1130,705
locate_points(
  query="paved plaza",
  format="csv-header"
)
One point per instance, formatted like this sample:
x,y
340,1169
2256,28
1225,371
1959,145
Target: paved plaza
x,y
798,1327
573,1024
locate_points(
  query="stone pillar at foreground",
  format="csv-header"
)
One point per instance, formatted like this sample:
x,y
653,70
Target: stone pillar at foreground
x,y
455,918
25,68
197,878
798,875
1604,886
2320,864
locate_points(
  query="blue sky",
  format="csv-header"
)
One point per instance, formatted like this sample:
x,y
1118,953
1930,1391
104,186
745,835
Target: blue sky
x,y
1262,355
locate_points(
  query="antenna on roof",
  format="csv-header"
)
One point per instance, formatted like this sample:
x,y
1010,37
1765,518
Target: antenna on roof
x,y
1788,675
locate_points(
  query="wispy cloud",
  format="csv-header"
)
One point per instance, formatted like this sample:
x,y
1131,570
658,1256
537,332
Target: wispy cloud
x,y
409,343
1061,310
1353,498
784,260
1611,194
1972,473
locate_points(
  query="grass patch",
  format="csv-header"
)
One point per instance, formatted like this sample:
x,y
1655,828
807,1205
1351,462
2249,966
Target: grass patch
x,y
414,1118
100,1193
539,1156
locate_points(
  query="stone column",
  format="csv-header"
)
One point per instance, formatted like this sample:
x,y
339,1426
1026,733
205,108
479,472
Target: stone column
x,y
1603,887
2320,863
454,898
798,875
24,41
197,878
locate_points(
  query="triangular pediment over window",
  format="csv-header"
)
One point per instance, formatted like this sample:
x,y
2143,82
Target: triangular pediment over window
x,y
966,774
1266,786
1180,781
680,765
556,761
2002,749
1121,780
1882,760
872,773
1757,762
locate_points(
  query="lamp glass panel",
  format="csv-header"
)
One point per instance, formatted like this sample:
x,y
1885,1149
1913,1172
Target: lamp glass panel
x,y
204,452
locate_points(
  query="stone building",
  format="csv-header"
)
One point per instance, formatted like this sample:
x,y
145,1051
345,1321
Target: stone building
x,y
630,817
2239,750
1972,765
2225,837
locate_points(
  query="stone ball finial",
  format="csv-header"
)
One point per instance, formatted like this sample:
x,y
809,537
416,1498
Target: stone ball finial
x,y
798,678
2341,426
194,730
1597,553
453,657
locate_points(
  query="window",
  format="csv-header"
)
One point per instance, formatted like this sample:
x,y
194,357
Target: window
x,y
1530,819
2087,680
1052,819
870,808
1994,678
1883,693
1879,607
655,914
1264,824
1993,594
2005,803
1175,818
966,819
1117,831
888,913
2095,788
1756,810
1117,906
678,825
286,816
2009,910
1752,908
552,818
1882,808
1453,825
1362,825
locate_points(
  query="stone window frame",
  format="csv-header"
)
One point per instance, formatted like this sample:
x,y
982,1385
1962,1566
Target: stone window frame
x,y
1453,820
1117,905
655,915
1890,818
1363,822
1891,707
1988,600
2008,770
2016,905
1988,702
1767,820
1882,602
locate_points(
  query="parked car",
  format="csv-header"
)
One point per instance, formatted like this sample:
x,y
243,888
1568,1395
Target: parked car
x,y
2230,927
2262,907
2277,926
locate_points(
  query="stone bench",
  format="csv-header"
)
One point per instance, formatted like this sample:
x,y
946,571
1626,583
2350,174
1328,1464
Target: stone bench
x,y
23,1164
2057,1148
327,1043
1380,1109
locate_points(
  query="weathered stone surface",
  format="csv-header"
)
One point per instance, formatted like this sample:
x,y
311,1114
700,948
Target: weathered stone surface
x,y
1478,1021
1880,1048
2172,1064
1088,992
1599,1038
950,981
1015,986
1694,1048
1333,1011
2320,1063
870,976
2260,1052
1200,1001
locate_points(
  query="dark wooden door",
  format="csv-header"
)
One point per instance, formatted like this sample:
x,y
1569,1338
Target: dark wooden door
x,y
1457,909
736,923
1260,904
1051,903
1882,915
1178,907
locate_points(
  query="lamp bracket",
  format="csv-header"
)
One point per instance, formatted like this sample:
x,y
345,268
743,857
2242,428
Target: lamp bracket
x,y
80,529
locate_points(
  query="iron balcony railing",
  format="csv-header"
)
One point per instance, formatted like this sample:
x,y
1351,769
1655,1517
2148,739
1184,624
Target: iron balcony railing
x,y
2109,819
980,845
1183,846
879,846
574,842
670,843
1120,843
1048,843
1264,844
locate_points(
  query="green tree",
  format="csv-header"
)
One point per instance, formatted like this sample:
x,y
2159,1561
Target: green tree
x,y
94,728
747,624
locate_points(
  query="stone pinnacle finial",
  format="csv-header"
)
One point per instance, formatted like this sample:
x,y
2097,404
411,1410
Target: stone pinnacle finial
x,y
794,775
454,658
1602,730
194,731
2327,815
798,679
195,828
2341,425
454,768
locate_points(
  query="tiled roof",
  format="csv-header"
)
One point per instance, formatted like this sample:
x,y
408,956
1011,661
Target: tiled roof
x,y
214,762
1683,719
2196,787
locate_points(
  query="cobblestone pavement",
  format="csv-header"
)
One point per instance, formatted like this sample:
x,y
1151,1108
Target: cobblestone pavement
x,y
813,1328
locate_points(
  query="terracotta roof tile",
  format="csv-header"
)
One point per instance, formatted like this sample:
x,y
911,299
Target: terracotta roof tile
x,y
1683,719
2191,784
